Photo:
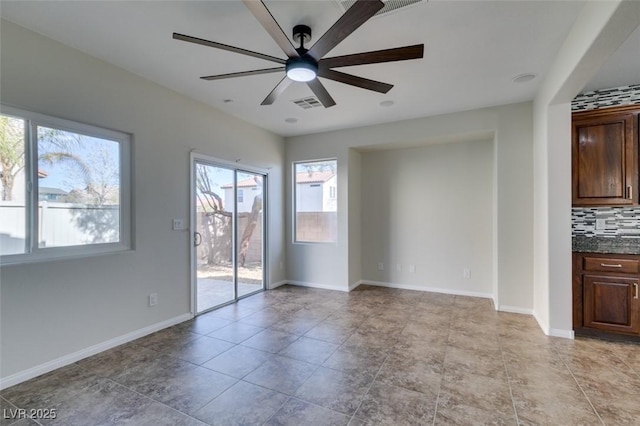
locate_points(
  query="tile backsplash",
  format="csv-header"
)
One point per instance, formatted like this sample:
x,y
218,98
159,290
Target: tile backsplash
x,y
606,222
617,96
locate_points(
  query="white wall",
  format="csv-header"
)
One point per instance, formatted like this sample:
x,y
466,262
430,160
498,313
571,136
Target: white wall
x,y
510,128
323,265
599,30
430,207
354,218
55,309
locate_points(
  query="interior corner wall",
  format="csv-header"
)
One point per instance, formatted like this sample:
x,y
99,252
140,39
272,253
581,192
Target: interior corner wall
x,y
354,218
321,265
428,216
511,128
52,311
597,33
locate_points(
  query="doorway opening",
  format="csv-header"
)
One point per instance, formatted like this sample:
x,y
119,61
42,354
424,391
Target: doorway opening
x,y
228,216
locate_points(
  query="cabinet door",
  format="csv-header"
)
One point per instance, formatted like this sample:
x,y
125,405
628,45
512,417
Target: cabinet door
x,y
611,303
604,165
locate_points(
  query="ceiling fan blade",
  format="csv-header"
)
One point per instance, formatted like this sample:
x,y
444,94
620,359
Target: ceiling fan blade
x,y
209,43
270,24
388,55
353,80
280,87
321,93
356,15
242,73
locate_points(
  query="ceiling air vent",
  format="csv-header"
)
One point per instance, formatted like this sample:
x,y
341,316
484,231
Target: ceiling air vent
x,y
307,103
389,5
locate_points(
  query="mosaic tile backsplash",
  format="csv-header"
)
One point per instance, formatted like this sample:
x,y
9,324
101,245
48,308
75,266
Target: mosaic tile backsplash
x,y
617,96
611,222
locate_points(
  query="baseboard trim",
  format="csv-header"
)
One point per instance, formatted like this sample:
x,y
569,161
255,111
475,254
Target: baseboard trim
x,y
38,370
557,332
355,285
428,289
316,285
276,285
515,310
542,323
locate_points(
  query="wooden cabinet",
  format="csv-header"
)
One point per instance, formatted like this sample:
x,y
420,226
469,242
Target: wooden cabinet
x,y
605,292
611,303
605,157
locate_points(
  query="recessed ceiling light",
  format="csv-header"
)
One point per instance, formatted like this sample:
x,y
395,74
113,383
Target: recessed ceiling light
x,y
386,103
228,101
523,78
291,120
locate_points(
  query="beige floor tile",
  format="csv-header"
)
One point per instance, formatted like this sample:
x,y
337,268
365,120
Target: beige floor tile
x,y
391,405
375,356
242,404
281,374
339,391
309,350
296,412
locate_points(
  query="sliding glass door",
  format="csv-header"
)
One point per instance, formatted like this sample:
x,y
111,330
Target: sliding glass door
x,y
249,233
228,217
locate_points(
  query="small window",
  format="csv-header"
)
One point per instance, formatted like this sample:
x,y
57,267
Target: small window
x,y
65,188
332,192
240,196
316,217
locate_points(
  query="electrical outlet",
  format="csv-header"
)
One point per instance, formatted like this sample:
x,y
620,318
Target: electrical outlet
x,y
380,266
398,267
153,299
178,224
466,273
601,223
412,268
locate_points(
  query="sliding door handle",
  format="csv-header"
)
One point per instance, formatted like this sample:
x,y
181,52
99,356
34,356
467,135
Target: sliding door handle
x,y
197,239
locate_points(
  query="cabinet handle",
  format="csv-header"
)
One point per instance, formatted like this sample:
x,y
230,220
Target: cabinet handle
x,y
608,265
635,286
630,192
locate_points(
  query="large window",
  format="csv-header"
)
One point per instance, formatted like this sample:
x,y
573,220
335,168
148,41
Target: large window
x,y
65,188
315,203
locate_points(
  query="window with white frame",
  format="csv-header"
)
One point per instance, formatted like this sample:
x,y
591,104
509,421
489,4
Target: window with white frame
x,y
316,212
65,188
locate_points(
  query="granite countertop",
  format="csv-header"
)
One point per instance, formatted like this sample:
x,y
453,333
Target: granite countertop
x,y
606,245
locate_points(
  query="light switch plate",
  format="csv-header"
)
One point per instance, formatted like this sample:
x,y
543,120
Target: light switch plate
x,y
178,224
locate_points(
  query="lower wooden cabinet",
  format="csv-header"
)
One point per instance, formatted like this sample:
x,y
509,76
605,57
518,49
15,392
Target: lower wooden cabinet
x,y
605,292
611,303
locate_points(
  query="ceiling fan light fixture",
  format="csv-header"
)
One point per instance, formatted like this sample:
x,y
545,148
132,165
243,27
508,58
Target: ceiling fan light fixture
x,y
301,69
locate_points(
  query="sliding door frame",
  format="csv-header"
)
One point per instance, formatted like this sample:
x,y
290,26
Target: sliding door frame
x,y
195,158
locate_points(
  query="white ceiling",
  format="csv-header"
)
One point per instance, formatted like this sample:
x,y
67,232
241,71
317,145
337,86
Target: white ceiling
x,y
622,68
473,49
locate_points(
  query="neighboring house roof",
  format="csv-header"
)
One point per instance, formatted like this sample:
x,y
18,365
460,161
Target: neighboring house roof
x,y
245,183
314,177
46,190
302,177
42,174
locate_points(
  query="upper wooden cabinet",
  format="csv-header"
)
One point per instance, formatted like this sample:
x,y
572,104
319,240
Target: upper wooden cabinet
x,y
605,157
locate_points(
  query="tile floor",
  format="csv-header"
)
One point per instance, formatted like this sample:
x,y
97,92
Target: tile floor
x,y
297,356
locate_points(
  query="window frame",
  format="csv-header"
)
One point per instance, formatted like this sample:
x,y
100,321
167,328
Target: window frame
x,y
294,206
34,253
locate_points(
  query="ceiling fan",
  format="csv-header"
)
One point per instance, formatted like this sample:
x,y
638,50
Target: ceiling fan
x,y
306,65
